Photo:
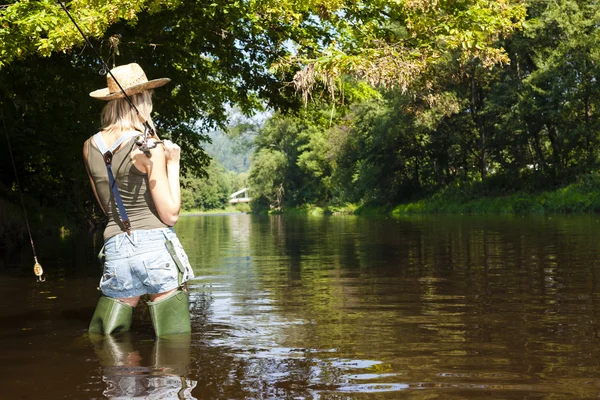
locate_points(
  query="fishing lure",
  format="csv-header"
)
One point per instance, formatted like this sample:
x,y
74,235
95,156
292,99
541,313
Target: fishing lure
x,y
38,271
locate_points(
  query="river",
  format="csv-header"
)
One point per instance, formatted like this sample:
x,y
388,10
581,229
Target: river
x,y
342,307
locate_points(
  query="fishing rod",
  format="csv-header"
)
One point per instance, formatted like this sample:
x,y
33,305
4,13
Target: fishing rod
x,y
37,267
142,142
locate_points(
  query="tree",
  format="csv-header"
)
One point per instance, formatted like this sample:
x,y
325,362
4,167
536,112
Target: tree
x,y
249,54
210,192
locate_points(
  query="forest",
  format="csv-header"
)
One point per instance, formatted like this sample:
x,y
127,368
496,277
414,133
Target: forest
x,y
400,106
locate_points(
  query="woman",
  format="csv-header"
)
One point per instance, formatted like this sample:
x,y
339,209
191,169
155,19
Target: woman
x,y
141,253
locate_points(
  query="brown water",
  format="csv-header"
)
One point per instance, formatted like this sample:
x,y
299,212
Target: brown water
x,y
326,308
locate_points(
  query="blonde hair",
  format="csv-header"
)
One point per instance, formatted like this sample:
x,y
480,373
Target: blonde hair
x,y
118,115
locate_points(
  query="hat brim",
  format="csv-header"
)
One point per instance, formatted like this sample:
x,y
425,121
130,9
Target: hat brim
x,y
104,94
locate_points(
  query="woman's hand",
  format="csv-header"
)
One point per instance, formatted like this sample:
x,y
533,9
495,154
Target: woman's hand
x,y
172,152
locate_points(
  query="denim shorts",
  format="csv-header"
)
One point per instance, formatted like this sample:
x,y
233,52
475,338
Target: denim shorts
x,y
140,263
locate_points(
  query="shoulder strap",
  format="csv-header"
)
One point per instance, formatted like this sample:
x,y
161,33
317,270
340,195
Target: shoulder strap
x,y
107,154
102,144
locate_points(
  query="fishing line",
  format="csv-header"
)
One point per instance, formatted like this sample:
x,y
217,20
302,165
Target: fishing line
x,y
106,69
37,267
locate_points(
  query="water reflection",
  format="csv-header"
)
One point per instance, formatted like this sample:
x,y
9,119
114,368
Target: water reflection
x,y
128,373
336,308
448,305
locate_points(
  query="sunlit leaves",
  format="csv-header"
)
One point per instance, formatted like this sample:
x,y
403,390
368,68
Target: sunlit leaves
x,y
387,43
390,44
42,27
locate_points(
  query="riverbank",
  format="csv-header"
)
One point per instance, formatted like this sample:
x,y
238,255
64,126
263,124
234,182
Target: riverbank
x,y
578,198
581,197
237,209
314,210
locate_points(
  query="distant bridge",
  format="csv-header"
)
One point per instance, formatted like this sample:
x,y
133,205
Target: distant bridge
x,y
241,196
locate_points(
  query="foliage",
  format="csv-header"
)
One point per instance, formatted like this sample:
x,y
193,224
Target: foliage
x,y
243,207
402,100
212,59
580,197
267,181
210,192
289,163
384,43
12,226
42,220
462,130
393,44
42,27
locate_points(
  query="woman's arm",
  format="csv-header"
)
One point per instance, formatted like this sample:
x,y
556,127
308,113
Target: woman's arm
x,y
162,169
87,168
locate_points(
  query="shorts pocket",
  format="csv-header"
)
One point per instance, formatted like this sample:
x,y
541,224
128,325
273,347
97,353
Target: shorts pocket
x,y
158,260
160,267
109,279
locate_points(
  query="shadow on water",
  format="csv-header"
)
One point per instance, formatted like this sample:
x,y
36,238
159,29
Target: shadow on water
x,y
328,308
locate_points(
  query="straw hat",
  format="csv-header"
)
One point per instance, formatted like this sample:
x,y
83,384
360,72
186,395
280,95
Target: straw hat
x,y
132,79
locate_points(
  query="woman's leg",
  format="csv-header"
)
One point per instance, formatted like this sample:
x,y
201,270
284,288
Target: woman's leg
x,y
132,301
159,296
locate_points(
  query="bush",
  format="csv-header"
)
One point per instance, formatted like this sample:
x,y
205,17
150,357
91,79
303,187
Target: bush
x,y
243,207
12,226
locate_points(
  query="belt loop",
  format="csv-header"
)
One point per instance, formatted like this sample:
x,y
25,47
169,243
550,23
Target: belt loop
x,y
118,240
133,238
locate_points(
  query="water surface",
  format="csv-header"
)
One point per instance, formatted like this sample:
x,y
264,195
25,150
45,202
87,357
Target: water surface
x,y
429,307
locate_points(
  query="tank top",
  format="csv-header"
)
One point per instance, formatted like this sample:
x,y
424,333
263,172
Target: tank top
x,y
133,188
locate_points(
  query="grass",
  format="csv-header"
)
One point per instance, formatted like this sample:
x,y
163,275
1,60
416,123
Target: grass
x,y
497,196
580,197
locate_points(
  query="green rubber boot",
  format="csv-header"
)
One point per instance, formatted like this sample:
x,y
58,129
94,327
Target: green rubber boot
x,y
111,316
171,315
